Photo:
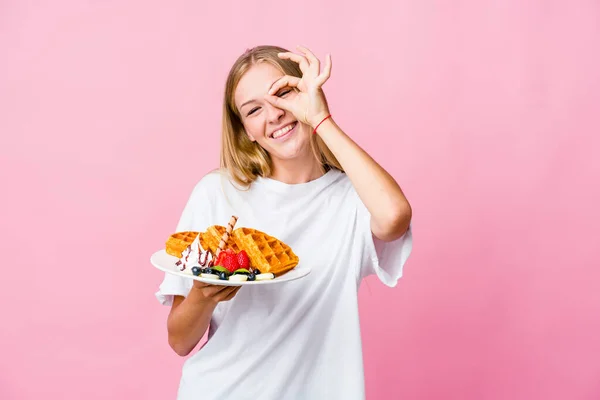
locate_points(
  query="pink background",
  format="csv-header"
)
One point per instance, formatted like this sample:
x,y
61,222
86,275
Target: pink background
x,y
485,111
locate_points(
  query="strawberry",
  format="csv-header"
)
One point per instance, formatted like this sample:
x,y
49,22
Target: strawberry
x,y
243,260
220,258
230,262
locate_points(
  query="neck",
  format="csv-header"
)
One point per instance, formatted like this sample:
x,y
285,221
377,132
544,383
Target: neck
x,y
296,171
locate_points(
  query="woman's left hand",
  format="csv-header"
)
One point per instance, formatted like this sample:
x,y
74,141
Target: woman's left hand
x,y
309,105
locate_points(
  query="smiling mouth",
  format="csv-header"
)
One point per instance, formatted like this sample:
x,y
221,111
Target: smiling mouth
x,y
283,131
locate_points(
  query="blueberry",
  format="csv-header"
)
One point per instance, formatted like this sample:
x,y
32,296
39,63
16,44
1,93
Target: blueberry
x,y
251,276
256,271
196,271
207,271
223,276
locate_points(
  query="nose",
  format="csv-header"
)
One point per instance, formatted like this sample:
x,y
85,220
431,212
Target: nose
x,y
274,114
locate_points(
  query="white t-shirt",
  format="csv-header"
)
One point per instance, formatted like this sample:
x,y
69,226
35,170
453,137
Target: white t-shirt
x,y
299,339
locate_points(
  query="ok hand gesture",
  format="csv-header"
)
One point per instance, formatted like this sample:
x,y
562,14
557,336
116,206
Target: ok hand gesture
x,y
309,105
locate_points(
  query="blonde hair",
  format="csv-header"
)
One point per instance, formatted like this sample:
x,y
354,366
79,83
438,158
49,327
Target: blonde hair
x,y
244,159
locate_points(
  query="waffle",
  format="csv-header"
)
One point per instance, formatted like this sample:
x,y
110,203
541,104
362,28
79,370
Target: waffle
x,y
210,239
179,241
266,253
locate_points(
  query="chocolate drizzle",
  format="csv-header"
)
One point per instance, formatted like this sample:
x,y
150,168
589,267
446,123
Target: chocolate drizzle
x,y
189,250
202,258
203,263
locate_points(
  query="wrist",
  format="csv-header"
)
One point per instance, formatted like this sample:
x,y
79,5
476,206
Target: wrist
x,y
320,122
317,119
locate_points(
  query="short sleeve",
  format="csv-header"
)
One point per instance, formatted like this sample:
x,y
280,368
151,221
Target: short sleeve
x,y
384,259
193,218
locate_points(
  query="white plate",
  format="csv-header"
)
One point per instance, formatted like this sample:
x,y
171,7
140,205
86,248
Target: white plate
x,y
166,262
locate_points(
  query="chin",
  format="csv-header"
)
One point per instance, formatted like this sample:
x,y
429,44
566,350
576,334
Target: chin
x,y
292,149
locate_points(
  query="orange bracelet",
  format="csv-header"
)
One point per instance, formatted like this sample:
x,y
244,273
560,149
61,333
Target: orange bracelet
x,y
315,131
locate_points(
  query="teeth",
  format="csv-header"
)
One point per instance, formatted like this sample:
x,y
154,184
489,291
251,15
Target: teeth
x,y
283,131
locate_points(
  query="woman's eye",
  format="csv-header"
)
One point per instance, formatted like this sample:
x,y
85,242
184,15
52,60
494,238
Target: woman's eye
x,y
280,94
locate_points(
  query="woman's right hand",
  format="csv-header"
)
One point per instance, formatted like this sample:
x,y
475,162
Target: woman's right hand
x,y
214,293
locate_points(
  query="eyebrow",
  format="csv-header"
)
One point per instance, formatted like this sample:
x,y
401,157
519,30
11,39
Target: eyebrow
x,y
248,102
253,100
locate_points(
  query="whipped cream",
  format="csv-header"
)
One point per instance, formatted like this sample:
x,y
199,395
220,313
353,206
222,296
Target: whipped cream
x,y
194,256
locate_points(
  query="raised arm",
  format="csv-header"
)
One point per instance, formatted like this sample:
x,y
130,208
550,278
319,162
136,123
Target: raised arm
x,y
390,211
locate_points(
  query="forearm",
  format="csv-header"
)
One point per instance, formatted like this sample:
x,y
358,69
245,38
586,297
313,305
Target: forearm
x,y
390,210
188,321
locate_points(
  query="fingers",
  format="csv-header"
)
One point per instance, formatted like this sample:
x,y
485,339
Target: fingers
x,y
217,293
321,79
279,102
302,61
215,290
200,285
310,62
286,81
231,293
204,286
314,62
226,294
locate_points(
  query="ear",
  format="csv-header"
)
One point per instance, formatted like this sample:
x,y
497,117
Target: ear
x,y
250,136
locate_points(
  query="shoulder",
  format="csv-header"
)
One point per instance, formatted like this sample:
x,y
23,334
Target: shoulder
x,y
210,180
342,187
214,182
340,181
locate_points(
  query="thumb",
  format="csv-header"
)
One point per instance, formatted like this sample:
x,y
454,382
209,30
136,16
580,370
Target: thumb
x,y
279,102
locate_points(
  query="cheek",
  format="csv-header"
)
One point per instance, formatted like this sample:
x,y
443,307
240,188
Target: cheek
x,y
305,130
254,129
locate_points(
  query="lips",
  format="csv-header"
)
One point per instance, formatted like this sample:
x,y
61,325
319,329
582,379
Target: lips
x,y
286,130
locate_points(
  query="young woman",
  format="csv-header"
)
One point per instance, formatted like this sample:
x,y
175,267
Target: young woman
x,y
288,170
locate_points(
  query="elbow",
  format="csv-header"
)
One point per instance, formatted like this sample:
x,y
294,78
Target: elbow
x,y
178,347
179,340
396,224
401,220
405,217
